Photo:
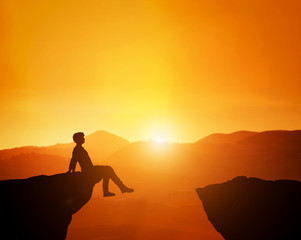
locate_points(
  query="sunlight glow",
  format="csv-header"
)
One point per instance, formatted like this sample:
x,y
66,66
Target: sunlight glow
x,y
159,139
161,131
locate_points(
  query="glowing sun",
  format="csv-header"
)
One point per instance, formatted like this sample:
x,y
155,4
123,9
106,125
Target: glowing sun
x,y
159,139
161,132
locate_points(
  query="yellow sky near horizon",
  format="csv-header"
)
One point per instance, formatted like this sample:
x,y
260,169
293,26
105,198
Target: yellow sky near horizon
x,y
179,70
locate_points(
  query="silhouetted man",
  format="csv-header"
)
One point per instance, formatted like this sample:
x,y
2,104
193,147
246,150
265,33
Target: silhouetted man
x,y
81,156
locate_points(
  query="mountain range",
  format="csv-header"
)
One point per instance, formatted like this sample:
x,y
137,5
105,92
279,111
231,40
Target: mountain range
x,y
101,143
32,160
268,154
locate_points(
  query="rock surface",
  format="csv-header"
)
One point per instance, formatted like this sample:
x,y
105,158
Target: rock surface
x,y
41,207
251,208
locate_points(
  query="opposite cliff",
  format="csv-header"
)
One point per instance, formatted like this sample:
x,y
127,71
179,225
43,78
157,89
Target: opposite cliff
x,y
251,208
41,207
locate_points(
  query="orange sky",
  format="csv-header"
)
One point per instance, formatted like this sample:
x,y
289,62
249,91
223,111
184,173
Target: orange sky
x,y
141,69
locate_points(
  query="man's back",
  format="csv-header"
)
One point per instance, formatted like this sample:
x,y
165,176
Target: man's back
x,y
81,156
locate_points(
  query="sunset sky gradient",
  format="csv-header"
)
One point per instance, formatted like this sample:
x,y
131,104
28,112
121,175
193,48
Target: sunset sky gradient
x,y
179,70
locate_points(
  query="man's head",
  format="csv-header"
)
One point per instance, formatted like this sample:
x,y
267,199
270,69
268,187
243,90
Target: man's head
x,y
79,137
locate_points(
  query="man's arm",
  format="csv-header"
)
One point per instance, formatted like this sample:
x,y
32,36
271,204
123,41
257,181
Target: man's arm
x,y
72,164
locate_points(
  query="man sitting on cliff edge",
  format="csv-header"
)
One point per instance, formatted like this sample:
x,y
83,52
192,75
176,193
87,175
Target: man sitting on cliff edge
x,y
81,156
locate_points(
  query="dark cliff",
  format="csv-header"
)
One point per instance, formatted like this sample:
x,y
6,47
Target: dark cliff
x,y
41,207
251,208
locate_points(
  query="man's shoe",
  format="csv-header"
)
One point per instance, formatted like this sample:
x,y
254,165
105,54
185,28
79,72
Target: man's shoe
x,y
108,194
127,190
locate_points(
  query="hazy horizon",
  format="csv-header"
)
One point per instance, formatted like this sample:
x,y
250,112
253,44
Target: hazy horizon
x,y
138,140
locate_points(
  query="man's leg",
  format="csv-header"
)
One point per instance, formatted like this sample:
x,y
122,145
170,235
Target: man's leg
x,y
108,173
105,186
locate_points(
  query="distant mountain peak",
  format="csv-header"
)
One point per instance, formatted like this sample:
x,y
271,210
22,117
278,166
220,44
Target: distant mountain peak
x,y
274,137
232,138
101,132
102,136
100,143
